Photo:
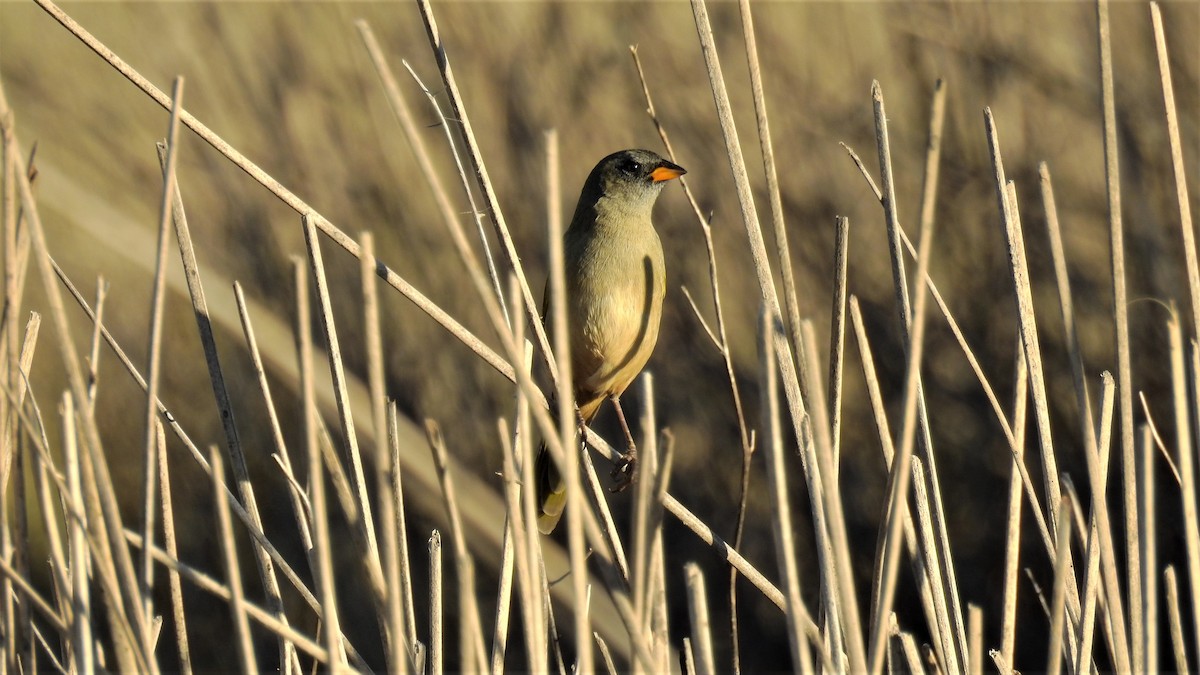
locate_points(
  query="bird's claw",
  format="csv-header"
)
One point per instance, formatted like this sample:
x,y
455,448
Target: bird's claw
x,y
624,471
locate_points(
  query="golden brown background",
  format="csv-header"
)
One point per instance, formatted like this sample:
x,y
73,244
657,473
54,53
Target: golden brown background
x,y
290,86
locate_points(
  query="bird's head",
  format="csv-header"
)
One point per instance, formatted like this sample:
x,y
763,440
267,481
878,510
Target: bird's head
x,y
631,177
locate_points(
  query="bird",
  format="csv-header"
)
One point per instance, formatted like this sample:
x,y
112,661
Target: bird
x,y
615,286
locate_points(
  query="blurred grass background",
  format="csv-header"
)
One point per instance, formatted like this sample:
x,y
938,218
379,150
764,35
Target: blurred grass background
x,y
290,86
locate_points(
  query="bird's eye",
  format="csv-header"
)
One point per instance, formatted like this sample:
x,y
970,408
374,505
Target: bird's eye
x,y
630,167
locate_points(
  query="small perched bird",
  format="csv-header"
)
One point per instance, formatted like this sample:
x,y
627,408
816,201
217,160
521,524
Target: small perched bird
x,y
615,280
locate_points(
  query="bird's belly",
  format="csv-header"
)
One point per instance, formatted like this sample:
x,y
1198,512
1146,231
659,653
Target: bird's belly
x,y
619,330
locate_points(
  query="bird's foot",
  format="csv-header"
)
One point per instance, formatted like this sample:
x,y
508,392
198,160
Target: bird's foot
x,y
625,470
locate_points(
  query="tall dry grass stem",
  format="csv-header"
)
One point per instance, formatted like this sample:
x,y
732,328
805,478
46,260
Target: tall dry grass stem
x,y
154,346
1112,179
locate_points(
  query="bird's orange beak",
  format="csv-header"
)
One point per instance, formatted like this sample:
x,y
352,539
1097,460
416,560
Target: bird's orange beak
x,y
666,171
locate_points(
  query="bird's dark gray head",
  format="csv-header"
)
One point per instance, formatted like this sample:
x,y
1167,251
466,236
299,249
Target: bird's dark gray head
x,y
633,177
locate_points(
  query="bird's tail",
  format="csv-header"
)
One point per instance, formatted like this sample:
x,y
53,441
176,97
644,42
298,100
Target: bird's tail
x,y
551,491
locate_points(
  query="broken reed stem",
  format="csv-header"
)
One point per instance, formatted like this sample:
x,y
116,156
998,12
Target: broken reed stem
x,y
154,349
1175,620
435,603
698,613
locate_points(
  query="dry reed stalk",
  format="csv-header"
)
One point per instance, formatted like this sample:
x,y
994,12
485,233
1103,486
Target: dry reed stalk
x,y
646,527
1012,548
265,619
403,566
472,653
837,336
1062,565
662,477
929,188
435,604
82,648
286,196
781,514
1112,179
154,347
948,657
1066,304
93,360
365,531
913,323
975,639
416,141
920,571
1149,551
390,614
300,508
605,654
489,194
951,323
513,555
1181,191
826,544
531,573
809,387
326,588
172,549
557,289
1183,405
255,533
1014,239
191,271
1097,464
1175,620
34,599
132,635
698,613
233,574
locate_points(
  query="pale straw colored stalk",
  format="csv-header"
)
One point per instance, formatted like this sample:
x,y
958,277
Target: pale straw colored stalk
x,y
1112,176
154,349
781,514
233,573
825,543
698,613
1175,620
